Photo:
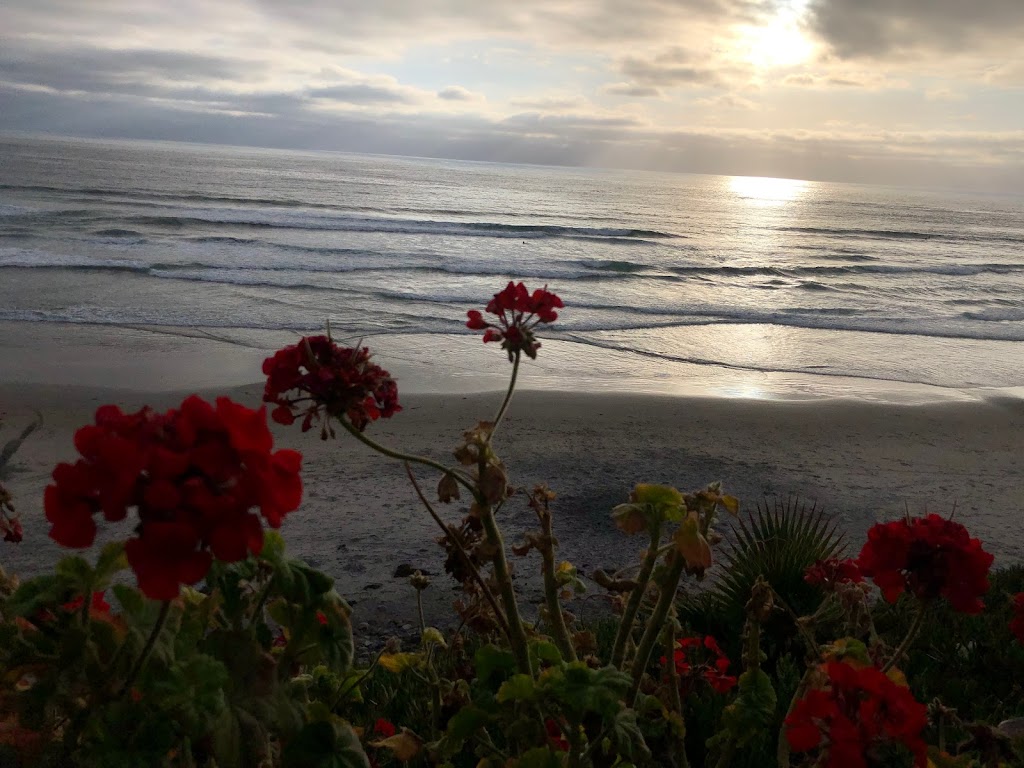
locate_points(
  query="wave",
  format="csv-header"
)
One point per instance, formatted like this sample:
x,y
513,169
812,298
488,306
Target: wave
x,y
901,234
266,220
853,269
116,233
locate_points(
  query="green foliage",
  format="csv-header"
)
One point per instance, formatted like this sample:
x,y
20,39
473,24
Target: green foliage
x,y
777,542
203,679
971,663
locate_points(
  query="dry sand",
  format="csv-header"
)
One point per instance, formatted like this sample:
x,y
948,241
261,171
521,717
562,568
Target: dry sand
x,y
360,519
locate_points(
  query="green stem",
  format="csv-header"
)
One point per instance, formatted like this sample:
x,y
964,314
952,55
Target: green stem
x,y
561,633
808,638
635,598
459,478
419,609
517,635
256,614
488,595
344,690
508,394
679,744
147,649
654,624
782,750
910,637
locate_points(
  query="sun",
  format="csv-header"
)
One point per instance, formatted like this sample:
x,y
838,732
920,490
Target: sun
x,y
780,42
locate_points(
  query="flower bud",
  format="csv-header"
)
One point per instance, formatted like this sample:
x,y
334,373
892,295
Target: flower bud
x,y
448,488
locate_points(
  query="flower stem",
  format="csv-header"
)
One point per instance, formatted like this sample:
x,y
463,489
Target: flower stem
x,y
147,648
488,595
910,637
654,624
635,598
508,394
679,743
560,631
465,483
517,635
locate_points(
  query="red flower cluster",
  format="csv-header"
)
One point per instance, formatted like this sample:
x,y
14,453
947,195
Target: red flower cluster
x,y
97,605
327,380
519,312
556,739
831,572
857,712
928,557
193,474
1017,622
697,659
384,728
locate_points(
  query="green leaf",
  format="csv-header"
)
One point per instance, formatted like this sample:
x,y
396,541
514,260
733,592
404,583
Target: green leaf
x,y
692,545
112,559
516,688
491,660
325,744
432,636
626,736
540,757
76,573
462,726
657,495
546,651
34,594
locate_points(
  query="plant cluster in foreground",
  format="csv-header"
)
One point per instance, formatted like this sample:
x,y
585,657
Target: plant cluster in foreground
x,y
226,652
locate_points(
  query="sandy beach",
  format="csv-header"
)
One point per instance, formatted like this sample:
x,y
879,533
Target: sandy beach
x,y
861,461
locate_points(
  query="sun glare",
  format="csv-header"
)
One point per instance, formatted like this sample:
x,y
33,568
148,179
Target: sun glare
x,y
763,190
779,43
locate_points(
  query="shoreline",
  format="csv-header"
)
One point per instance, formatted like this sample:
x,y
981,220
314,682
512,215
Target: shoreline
x,y
161,359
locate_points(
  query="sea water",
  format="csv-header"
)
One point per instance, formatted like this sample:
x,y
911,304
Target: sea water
x,y
779,285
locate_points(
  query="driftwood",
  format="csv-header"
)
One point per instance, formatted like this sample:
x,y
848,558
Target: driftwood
x,y
12,446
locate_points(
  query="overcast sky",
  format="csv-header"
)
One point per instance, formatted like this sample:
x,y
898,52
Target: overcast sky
x,y
891,91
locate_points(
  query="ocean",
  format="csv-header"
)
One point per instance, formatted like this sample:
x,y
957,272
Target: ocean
x,y
762,287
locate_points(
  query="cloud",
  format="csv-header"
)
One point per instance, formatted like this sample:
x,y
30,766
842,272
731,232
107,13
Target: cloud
x,y
981,159
631,89
551,102
674,67
458,93
875,28
364,93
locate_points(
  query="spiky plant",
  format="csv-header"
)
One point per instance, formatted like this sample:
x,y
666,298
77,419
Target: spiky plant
x,y
778,540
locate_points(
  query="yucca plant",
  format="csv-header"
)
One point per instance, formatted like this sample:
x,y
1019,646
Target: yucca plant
x,y
778,541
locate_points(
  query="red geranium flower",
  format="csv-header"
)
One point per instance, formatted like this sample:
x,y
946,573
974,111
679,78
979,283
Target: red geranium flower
x,y
1017,622
98,605
697,659
858,710
556,739
193,475
384,728
832,572
318,379
518,312
929,557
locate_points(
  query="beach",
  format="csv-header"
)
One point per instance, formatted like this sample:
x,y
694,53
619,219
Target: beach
x,y
860,460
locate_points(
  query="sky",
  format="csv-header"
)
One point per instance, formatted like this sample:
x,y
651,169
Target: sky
x,y
920,92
